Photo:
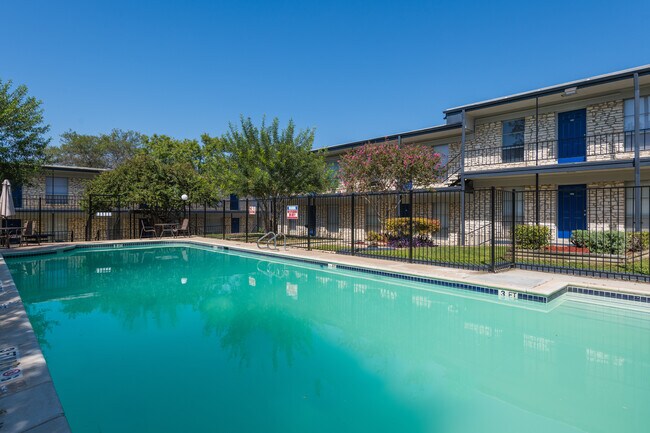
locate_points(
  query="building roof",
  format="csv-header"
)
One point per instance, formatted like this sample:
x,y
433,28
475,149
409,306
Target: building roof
x,y
407,134
74,168
585,82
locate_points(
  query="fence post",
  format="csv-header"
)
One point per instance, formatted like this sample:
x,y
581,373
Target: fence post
x,y
246,220
309,204
119,218
411,225
492,229
40,219
188,215
223,219
205,219
274,223
514,227
352,223
89,233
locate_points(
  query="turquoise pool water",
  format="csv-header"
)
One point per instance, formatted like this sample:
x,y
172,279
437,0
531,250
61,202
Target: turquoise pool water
x,y
185,339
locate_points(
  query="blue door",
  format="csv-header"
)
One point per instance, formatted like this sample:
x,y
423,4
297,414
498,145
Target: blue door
x,y
234,202
571,136
571,209
234,225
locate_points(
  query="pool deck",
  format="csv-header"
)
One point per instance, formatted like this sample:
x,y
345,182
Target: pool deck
x,y
30,403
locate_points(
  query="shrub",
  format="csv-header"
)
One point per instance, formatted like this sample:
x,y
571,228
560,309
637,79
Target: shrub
x,y
638,241
398,227
580,238
418,241
532,237
375,237
604,242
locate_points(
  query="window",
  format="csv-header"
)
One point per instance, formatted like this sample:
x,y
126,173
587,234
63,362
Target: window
x,y
644,123
372,217
17,195
507,206
440,212
513,140
645,205
443,150
333,218
56,190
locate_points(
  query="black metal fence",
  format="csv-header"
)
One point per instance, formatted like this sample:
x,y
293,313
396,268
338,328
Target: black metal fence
x,y
574,229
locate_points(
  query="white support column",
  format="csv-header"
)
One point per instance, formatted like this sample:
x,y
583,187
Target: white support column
x,y
637,155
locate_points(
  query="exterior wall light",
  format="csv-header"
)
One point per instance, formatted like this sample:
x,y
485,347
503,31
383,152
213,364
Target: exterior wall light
x,y
570,91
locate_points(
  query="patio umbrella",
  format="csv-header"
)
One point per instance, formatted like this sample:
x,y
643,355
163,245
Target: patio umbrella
x,y
6,202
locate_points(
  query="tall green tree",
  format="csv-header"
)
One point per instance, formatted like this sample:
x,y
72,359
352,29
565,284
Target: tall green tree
x,y
155,178
267,162
22,134
99,151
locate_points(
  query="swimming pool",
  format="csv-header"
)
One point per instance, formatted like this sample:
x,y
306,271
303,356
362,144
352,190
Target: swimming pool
x,y
184,338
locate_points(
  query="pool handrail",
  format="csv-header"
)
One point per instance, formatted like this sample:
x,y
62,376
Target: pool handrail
x,y
267,242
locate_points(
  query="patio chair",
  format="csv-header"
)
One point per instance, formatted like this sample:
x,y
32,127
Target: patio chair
x,y
28,234
184,228
146,229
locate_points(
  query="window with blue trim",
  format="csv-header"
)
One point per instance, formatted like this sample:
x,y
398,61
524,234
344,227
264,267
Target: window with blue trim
x,y
644,123
56,190
513,140
17,195
234,202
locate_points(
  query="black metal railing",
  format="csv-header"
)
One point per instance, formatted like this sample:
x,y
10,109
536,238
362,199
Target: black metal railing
x,y
613,146
571,229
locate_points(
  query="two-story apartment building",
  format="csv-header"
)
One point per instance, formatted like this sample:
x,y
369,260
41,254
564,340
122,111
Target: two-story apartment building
x,y
568,151
53,202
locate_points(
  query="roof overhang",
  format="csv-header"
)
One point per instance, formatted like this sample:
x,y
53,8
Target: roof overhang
x,y
55,167
425,134
599,84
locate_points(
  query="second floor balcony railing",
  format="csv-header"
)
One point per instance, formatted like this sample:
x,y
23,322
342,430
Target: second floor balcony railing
x,y
603,147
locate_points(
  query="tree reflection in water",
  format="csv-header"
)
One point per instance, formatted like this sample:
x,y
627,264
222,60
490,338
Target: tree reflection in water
x,y
150,287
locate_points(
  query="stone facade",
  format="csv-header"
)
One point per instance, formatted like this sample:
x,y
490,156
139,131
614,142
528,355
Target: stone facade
x,y
606,206
605,139
547,207
37,188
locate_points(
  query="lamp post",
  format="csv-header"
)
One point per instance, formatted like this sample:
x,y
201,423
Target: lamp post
x,y
184,197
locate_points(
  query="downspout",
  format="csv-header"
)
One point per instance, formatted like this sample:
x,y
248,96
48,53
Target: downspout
x,y
536,160
400,187
462,180
637,155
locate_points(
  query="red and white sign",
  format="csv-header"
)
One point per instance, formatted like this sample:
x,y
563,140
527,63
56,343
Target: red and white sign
x,y
292,212
252,210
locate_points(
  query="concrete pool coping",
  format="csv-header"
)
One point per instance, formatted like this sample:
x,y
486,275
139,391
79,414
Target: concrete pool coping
x,y
31,402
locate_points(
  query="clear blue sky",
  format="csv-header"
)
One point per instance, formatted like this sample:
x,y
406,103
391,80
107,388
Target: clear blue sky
x,y
352,70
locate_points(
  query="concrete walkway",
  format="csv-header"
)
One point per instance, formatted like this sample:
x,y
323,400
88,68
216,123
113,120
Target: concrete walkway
x,y
533,282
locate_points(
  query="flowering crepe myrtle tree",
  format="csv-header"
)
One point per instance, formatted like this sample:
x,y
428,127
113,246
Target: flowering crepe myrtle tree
x,y
388,166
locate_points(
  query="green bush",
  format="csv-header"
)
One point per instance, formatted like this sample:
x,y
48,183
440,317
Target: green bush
x,y
375,237
532,237
605,242
639,241
397,227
